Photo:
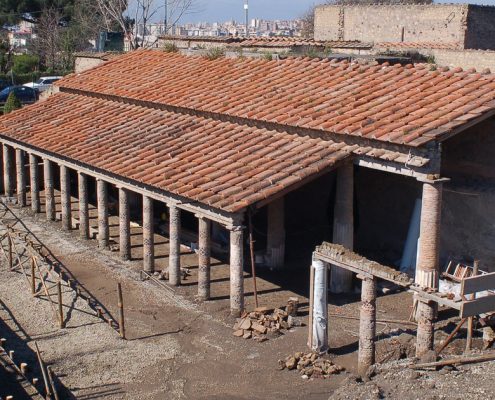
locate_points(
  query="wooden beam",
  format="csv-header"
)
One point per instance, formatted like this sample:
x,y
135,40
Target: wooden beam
x,y
477,306
478,283
436,298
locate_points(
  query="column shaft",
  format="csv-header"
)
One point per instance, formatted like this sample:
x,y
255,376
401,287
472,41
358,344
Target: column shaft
x,y
320,306
49,193
8,171
103,229
204,259
21,177
148,235
65,198
34,183
427,267
124,225
236,272
82,182
367,325
343,226
174,246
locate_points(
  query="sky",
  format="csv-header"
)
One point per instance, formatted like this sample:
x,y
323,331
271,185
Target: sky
x,y
223,10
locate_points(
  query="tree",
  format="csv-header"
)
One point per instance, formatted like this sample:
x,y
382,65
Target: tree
x,y
132,16
12,103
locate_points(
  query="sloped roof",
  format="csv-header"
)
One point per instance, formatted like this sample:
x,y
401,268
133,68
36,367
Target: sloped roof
x,y
222,164
410,105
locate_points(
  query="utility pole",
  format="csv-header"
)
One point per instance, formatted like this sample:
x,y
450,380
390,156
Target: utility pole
x,y
246,9
166,17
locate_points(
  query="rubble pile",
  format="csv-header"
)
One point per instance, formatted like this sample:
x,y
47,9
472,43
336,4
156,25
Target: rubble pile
x,y
262,324
310,365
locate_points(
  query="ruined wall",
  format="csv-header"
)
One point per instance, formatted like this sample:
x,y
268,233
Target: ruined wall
x,y
468,217
481,28
384,23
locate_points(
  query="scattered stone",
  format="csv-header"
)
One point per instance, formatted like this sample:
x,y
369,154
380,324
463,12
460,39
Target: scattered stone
x,y
310,365
245,324
429,356
247,335
239,333
292,306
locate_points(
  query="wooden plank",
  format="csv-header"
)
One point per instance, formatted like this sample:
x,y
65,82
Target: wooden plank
x,y
436,298
478,306
478,283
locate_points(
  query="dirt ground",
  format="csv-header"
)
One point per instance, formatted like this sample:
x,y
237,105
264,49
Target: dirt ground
x,y
176,348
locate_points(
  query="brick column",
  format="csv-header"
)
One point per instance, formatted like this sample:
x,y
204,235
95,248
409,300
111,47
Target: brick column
x,y
20,163
49,193
148,233
343,225
82,182
204,258
103,229
65,198
275,241
8,174
427,267
174,246
124,225
367,325
34,183
236,271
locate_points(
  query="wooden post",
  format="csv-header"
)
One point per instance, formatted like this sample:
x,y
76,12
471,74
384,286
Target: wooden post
x,y
52,383
60,305
469,338
121,312
33,277
43,371
253,266
9,243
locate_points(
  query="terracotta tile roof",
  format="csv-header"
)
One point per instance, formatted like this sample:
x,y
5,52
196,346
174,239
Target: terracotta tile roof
x,y
400,104
420,45
225,165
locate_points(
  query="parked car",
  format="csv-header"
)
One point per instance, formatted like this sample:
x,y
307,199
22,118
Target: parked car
x,y
43,83
26,95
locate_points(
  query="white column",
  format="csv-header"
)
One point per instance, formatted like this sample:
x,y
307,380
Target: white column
x,y
236,271
21,177
8,174
320,306
343,226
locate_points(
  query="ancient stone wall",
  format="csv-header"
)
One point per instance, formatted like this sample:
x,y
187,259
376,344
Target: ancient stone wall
x,y
392,23
481,28
468,228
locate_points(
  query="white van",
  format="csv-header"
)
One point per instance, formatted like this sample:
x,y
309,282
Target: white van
x,y
43,83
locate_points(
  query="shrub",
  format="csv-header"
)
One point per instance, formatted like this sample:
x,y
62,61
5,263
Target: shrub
x,y
12,103
25,64
268,56
170,47
214,53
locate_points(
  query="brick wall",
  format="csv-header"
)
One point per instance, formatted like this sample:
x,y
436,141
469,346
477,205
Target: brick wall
x,y
82,64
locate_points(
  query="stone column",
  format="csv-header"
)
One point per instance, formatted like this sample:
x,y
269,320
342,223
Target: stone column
x,y
103,229
8,175
148,232
124,225
275,242
319,342
65,198
367,325
21,177
343,225
49,193
236,271
204,258
82,181
427,267
34,183
174,246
